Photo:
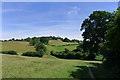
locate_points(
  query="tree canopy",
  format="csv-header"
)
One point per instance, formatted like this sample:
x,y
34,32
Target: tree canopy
x,y
113,42
95,28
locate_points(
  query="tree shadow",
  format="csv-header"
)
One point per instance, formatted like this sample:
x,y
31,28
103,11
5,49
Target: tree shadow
x,y
102,72
81,73
98,70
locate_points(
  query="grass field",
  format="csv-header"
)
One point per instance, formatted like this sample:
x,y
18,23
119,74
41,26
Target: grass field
x,y
17,66
18,46
22,47
46,67
58,46
59,42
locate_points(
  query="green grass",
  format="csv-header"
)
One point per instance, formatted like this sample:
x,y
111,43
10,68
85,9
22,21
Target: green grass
x,y
58,46
46,67
59,42
21,47
99,57
18,46
16,66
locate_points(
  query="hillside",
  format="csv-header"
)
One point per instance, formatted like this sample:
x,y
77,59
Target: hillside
x,y
58,46
16,66
59,42
18,46
21,47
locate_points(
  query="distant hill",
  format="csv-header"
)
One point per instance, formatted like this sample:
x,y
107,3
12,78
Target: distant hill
x,y
22,46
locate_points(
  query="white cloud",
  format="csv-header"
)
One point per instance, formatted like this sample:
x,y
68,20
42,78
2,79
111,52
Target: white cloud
x,y
74,10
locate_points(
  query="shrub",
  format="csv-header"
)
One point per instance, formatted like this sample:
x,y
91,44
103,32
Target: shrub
x,y
74,55
52,52
33,54
40,52
66,50
79,55
90,56
40,46
10,52
28,54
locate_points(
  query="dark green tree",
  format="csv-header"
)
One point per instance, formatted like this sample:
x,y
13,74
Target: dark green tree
x,y
66,40
40,46
13,39
113,43
95,28
44,40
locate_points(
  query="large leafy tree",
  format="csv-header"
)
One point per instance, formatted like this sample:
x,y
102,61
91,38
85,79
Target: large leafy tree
x,y
95,28
113,43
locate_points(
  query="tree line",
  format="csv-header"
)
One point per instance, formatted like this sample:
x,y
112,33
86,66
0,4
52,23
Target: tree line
x,y
44,39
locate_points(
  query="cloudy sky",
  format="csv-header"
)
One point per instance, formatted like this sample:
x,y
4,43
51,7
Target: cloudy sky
x,y
29,19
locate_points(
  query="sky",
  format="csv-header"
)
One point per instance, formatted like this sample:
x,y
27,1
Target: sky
x,y
29,19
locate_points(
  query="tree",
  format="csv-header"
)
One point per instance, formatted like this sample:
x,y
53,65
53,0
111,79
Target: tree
x,y
13,39
44,40
95,28
40,46
113,43
66,39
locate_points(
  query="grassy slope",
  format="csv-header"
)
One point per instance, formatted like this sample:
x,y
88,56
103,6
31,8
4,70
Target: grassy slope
x,y
22,47
59,42
18,46
46,67
58,45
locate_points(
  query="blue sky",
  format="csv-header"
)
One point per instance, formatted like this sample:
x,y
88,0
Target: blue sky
x,y
29,19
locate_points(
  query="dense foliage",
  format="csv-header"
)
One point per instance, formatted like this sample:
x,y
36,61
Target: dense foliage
x,y
10,52
44,40
113,43
40,46
34,54
95,28
102,36
66,54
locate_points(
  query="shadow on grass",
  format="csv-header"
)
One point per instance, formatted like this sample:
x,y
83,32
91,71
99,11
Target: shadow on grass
x,y
102,72
98,70
81,73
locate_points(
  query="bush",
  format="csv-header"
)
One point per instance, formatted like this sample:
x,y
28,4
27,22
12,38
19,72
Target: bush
x,y
52,52
74,55
79,55
10,52
90,56
66,50
28,54
33,54
68,55
40,52
40,46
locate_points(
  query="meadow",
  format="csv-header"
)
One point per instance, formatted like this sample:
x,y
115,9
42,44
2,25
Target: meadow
x,y
20,47
45,67
17,66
